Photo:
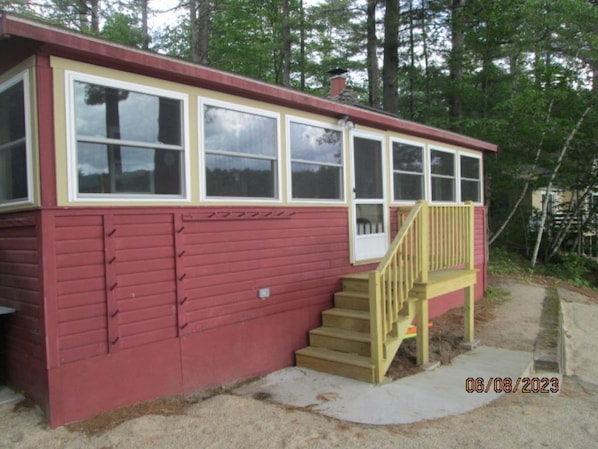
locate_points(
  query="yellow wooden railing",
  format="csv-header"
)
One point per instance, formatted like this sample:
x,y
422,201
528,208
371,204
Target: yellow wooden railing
x,y
430,238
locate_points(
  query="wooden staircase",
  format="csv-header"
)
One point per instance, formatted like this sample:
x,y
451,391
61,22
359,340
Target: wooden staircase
x,y
352,344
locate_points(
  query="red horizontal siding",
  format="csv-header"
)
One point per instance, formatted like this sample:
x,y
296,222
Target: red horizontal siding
x,y
226,262
21,289
80,287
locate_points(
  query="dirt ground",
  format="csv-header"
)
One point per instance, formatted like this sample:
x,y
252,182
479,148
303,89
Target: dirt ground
x,y
216,419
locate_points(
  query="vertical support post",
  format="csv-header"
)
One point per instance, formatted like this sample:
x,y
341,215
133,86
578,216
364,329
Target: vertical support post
x,y
424,238
468,335
421,311
377,337
469,331
422,337
470,235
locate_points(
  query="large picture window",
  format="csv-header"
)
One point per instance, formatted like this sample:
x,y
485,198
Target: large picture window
x,y
129,140
471,179
241,153
442,169
408,171
14,176
316,162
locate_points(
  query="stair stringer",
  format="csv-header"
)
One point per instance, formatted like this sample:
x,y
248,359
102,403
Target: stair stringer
x,y
392,345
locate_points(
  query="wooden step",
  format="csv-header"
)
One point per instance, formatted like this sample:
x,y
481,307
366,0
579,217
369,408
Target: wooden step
x,y
357,282
342,340
334,362
355,320
352,300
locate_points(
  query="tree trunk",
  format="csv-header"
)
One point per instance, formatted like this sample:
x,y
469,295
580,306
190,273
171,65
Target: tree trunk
x,y
372,56
456,58
424,23
390,71
144,25
412,63
286,44
302,46
200,20
550,182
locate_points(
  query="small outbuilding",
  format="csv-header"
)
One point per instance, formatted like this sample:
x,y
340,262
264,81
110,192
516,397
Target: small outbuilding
x,y
166,227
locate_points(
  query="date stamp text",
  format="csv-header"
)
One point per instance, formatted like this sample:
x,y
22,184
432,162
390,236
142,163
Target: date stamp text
x,y
512,385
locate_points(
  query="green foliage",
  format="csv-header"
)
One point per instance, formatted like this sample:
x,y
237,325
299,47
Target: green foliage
x,y
567,267
123,28
503,261
572,268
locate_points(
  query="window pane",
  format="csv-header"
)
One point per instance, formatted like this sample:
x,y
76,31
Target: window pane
x,y
120,169
470,191
470,167
408,187
13,172
443,189
316,181
13,144
442,163
313,143
107,112
12,114
370,219
407,157
239,132
240,177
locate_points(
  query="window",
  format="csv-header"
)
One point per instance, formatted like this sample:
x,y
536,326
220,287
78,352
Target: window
x,y
14,157
316,162
408,171
471,184
129,140
241,153
442,169
551,207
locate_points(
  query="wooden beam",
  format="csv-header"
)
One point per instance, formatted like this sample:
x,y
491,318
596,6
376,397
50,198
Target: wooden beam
x,y
468,336
422,339
377,337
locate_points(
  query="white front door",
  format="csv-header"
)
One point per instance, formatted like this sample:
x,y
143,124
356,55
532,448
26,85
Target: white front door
x,y
369,212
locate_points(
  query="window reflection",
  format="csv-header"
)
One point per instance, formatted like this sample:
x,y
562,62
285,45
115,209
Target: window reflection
x,y
316,167
241,153
13,144
115,132
408,171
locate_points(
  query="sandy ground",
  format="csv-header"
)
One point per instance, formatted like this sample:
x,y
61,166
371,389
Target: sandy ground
x,y
226,421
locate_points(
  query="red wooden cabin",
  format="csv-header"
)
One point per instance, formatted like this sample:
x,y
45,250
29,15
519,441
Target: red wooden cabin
x,y
166,227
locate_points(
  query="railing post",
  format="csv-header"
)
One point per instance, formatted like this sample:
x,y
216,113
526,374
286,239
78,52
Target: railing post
x,y
377,338
424,238
470,235
468,335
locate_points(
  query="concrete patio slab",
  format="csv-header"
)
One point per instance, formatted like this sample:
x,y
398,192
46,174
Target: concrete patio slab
x,y
423,396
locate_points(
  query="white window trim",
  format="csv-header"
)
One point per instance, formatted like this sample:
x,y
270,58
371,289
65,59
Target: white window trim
x,y
23,77
480,180
73,179
290,160
455,177
425,172
202,101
